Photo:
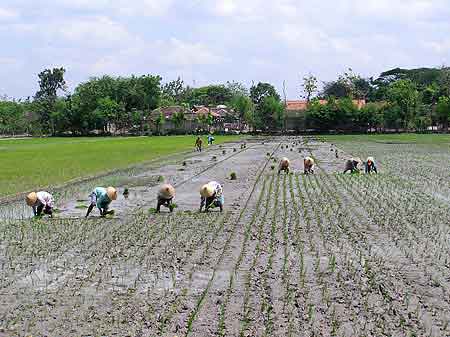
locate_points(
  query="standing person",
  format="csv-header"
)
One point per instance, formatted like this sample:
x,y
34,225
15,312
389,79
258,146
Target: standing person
x,y
166,194
352,165
41,202
308,164
370,165
284,165
198,144
211,196
102,197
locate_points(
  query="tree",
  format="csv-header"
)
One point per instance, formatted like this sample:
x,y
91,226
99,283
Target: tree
x,y
206,120
211,95
243,105
309,86
443,111
348,85
404,94
50,81
173,92
271,113
159,122
262,90
178,119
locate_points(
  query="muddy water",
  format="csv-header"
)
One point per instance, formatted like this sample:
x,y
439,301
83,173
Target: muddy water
x,y
323,255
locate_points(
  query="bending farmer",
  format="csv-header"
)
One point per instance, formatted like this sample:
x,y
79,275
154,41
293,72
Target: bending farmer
x,y
284,165
166,194
308,163
352,165
211,196
198,144
102,197
370,165
41,202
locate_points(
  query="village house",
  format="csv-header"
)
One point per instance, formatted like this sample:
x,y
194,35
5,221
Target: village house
x,y
223,119
295,112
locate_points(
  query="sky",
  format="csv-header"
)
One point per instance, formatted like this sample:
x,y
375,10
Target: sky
x,y
214,41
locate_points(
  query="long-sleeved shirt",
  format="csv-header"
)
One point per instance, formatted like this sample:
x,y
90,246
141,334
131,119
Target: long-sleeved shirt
x,y
100,197
44,198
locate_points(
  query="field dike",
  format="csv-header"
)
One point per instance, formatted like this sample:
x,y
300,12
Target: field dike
x,y
318,255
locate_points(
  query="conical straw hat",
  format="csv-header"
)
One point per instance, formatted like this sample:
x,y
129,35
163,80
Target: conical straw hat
x,y
207,191
309,160
166,191
31,198
112,193
284,162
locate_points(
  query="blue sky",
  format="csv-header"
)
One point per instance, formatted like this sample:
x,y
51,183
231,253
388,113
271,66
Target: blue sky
x,y
218,40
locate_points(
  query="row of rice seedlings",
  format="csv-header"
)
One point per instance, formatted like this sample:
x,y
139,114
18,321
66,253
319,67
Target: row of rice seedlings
x,y
221,329
376,272
249,308
267,300
180,297
193,314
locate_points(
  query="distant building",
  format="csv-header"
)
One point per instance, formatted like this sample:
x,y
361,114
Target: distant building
x,y
295,112
223,119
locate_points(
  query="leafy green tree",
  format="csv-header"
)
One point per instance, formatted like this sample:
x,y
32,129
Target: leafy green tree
x,y
173,92
242,105
404,94
159,122
309,86
206,120
50,82
178,119
262,90
443,111
211,95
271,113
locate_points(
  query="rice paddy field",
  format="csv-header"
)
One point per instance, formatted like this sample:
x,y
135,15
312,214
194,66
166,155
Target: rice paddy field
x,y
328,254
40,162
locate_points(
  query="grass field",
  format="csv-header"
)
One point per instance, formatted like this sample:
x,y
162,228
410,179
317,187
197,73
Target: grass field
x,y
31,163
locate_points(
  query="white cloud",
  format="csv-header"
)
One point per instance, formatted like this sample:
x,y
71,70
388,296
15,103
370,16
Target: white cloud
x,y
8,14
179,53
94,31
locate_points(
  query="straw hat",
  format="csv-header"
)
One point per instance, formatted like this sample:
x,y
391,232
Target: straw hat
x,y
166,191
207,191
284,162
309,160
370,159
112,193
31,198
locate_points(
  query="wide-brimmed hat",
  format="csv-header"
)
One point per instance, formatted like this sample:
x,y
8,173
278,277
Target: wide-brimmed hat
x,y
284,162
166,191
207,191
112,193
370,159
309,160
31,198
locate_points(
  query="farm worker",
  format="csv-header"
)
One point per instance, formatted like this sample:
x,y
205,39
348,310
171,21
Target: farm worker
x,y
198,144
352,165
210,139
41,202
370,165
166,194
284,165
308,163
102,197
211,196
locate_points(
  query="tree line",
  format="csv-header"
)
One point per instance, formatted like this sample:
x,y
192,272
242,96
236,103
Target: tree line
x,y
398,99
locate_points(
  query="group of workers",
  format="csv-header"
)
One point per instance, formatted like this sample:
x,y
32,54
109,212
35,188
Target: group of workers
x,y
211,194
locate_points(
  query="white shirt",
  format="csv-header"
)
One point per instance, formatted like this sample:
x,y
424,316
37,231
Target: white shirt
x,y
45,199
